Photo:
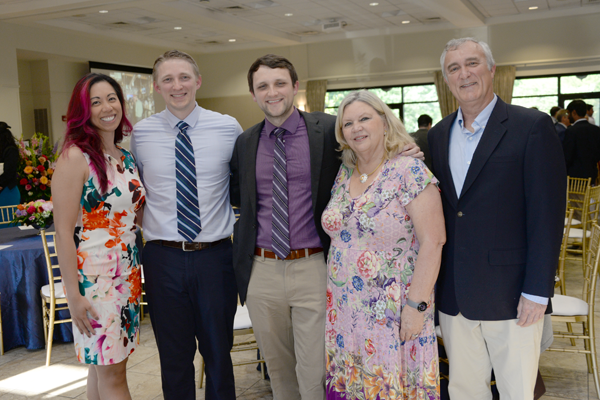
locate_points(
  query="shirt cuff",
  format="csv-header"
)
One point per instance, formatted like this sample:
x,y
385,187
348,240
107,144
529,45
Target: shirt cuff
x,y
536,299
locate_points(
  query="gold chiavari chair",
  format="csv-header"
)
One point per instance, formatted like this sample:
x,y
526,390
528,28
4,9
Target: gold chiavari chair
x,y
579,237
7,214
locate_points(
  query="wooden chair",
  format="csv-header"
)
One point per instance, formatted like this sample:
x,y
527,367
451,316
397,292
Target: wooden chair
x,y
579,237
562,258
1,337
242,325
53,294
7,214
576,190
574,310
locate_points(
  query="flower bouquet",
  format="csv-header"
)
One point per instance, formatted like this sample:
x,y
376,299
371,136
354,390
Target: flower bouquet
x,y
36,213
36,166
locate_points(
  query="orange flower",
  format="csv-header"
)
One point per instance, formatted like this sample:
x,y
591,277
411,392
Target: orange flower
x,y
43,180
50,171
28,162
135,285
21,207
96,218
28,169
81,257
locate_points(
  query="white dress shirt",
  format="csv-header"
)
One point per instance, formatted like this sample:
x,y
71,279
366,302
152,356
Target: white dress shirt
x,y
462,146
213,136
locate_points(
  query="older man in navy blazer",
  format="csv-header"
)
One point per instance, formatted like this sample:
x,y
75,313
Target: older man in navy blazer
x,y
503,182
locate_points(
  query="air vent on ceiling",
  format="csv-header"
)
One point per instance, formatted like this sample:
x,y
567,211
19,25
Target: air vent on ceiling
x,y
234,8
308,33
432,19
121,23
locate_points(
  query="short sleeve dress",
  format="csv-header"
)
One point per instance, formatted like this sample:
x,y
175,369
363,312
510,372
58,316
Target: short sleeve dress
x,y
370,266
108,262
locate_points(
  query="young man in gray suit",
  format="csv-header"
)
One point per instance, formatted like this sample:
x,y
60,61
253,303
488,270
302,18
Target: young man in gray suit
x,y
285,292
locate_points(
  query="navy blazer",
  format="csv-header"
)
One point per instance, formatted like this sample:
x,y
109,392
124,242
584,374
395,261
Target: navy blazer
x,y
505,228
324,165
582,150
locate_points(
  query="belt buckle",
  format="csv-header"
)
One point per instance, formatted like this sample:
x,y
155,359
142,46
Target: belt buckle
x,y
183,246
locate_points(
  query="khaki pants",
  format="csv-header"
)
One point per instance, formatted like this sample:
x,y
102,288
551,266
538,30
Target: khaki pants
x,y
475,347
287,301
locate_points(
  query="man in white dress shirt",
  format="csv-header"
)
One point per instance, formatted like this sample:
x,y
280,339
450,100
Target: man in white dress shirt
x,y
190,283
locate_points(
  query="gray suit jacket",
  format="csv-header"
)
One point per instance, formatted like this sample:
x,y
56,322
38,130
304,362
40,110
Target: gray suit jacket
x,y
324,166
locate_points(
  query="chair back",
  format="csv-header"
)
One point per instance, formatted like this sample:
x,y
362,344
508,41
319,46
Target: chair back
x,y
590,273
591,208
576,190
563,252
7,214
53,276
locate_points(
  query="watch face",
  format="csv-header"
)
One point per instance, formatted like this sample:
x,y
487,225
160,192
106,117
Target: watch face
x,y
422,307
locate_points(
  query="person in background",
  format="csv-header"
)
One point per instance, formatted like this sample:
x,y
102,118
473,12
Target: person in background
x,y
553,112
280,262
582,143
590,114
420,137
183,153
97,195
387,233
563,123
503,184
9,156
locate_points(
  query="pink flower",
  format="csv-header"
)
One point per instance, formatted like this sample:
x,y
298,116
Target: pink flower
x,y
329,298
30,210
369,348
368,264
27,187
393,292
332,220
332,316
47,206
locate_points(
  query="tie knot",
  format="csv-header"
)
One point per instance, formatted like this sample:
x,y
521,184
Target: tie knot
x,y
183,126
278,132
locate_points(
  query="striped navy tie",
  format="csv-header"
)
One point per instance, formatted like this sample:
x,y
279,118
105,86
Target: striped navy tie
x,y
280,238
188,211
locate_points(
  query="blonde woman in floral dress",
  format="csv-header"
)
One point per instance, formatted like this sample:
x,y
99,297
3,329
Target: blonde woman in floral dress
x,y
98,195
387,228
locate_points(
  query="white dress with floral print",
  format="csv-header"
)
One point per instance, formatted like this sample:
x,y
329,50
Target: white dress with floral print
x,y
370,265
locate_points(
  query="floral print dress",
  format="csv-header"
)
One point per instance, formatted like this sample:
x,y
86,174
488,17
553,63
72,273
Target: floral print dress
x,y
370,266
108,262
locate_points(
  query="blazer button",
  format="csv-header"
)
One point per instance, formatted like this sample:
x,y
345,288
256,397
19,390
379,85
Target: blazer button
x,y
460,214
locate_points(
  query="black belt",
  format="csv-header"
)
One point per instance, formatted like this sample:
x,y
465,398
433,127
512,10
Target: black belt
x,y
189,246
294,254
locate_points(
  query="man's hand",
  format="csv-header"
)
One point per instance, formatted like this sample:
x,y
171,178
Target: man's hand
x,y
414,151
529,312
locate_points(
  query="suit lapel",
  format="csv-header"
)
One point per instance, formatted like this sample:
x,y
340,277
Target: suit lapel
x,y
493,133
443,171
315,143
250,165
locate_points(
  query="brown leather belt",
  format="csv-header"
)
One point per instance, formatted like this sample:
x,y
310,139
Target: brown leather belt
x,y
189,246
294,254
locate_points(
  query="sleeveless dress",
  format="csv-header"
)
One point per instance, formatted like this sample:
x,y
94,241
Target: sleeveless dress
x,y
108,262
370,266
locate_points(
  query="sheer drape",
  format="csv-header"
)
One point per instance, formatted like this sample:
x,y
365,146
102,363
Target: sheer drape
x,y
315,95
448,103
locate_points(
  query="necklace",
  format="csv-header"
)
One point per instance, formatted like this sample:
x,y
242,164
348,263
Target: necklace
x,y
363,177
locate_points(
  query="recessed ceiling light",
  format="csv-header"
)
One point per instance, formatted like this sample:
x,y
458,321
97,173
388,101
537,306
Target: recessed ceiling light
x,y
533,8
232,40
406,22
103,11
288,14
373,4
178,28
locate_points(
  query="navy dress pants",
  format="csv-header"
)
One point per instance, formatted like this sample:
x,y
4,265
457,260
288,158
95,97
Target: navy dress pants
x,y
192,295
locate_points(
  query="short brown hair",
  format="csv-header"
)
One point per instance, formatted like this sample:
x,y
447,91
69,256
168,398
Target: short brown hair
x,y
271,61
174,54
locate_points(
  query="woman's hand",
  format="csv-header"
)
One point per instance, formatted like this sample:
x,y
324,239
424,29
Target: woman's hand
x,y
411,323
79,307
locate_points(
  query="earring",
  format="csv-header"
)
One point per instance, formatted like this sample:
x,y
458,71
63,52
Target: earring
x,y
384,133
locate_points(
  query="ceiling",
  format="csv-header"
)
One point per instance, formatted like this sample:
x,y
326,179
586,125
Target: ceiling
x,y
205,26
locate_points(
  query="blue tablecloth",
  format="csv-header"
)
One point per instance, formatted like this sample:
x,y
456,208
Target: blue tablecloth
x,y
22,274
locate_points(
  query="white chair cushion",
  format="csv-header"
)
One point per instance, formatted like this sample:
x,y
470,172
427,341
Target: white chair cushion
x,y
567,306
59,290
573,221
242,318
577,233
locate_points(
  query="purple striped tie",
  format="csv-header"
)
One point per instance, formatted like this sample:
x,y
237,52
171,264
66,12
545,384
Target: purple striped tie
x,y
280,237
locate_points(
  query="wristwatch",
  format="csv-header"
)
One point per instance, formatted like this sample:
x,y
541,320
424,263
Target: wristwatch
x,y
420,307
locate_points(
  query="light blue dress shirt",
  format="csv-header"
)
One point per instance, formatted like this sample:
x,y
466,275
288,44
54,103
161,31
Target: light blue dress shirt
x,y
213,136
462,146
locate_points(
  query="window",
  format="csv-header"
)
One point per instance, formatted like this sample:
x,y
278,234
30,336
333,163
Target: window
x,y
406,102
559,90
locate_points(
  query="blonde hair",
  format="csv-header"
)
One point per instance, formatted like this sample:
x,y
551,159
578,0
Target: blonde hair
x,y
174,55
395,139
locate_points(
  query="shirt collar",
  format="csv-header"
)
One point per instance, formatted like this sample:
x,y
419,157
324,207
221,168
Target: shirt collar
x,y
579,120
191,119
290,124
483,117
